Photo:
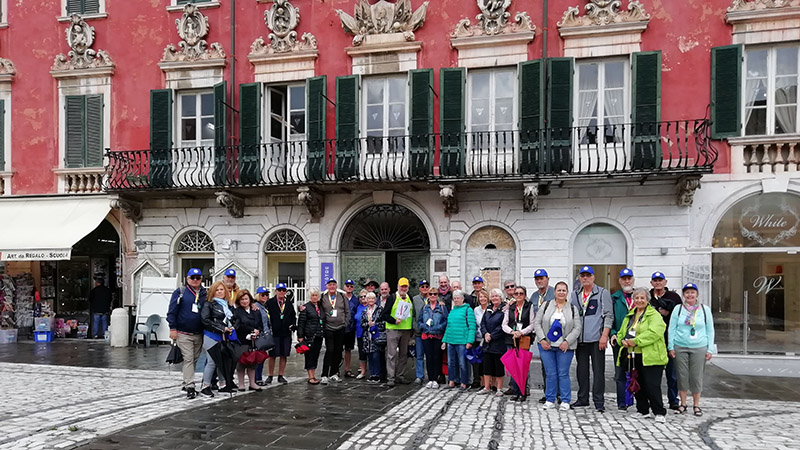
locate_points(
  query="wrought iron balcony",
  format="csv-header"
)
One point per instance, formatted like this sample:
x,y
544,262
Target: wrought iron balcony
x,y
672,148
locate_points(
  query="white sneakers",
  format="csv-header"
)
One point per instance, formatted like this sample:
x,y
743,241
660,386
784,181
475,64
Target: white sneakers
x,y
564,406
432,385
549,405
661,419
324,380
336,378
360,376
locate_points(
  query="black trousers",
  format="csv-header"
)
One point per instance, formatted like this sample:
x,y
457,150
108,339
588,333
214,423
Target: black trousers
x,y
312,355
334,346
585,352
433,357
649,396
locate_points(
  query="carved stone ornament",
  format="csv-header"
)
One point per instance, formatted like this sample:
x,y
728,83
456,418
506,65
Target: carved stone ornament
x,y
686,188
234,203
80,37
131,209
7,67
752,5
530,198
282,19
313,201
383,17
192,29
449,199
604,12
493,20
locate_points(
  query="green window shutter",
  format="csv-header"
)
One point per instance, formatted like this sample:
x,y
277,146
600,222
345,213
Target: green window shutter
x,y
91,6
75,127
558,154
421,124
346,126
646,110
161,138
94,131
2,135
451,121
316,107
249,132
531,119
726,85
220,134
75,6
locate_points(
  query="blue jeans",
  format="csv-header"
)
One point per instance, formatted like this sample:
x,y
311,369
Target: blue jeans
x,y
457,364
374,364
556,367
99,324
420,370
260,372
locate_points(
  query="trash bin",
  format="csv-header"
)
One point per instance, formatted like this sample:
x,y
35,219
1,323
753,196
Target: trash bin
x,y
120,328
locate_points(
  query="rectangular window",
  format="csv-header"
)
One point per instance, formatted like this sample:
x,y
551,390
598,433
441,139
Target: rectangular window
x,y
602,104
491,99
385,111
770,90
286,120
196,119
83,7
83,131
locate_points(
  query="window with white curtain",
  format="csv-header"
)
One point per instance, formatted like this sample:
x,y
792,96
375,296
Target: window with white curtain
x,y
196,119
385,113
287,112
770,90
491,115
602,101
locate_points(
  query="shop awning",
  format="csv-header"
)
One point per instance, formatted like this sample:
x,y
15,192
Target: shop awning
x,y
44,229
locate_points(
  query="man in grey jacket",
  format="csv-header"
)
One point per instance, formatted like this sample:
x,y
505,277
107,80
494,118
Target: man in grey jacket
x,y
337,316
597,317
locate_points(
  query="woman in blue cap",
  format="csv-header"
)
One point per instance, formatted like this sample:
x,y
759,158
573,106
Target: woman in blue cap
x,y
691,344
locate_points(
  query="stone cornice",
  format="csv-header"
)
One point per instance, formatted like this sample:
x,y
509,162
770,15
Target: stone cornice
x,y
613,28
272,58
493,40
756,15
83,73
388,47
172,66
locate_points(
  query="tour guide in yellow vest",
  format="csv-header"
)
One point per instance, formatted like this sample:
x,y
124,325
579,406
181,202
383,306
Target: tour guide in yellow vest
x,y
398,316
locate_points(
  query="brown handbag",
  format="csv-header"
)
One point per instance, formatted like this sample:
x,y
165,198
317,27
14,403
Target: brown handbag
x,y
524,343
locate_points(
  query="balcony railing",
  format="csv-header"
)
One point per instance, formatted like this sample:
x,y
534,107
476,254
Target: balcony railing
x,y
578,152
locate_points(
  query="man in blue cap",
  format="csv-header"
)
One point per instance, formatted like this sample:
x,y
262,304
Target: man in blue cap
x,y
283,320
664,301
262,295
186,326
623,302
350,330
543,294
229,279
597,315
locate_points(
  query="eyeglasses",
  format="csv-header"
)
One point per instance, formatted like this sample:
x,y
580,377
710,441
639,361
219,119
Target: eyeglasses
x,y
263,294
433,294
586,275
195,277
511,286
362,296
519,293
281,290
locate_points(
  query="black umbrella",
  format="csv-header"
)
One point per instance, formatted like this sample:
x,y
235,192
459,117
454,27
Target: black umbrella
x,y
175,356
223,355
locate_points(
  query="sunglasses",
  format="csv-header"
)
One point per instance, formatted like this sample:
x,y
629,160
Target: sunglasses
x,y
586,275
264,294
511,286
361,296
195,277
519,293
433,294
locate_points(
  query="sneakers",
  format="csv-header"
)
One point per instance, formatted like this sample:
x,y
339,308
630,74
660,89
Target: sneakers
x,y
434,385
207,391
484,391
548,405
661,419
324,380
336,378
281,379
429,384
543,400
373,380
269,380
564,407
645,416
191,393
360,376
390,383
418,381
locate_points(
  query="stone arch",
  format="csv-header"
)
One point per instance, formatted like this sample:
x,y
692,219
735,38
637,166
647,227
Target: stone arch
x,y
175,257
491,251
263,276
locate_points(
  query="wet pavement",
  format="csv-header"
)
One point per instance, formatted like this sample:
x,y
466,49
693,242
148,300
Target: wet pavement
x,y
301,416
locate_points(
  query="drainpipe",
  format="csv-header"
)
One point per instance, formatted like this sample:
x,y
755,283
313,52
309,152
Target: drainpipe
x,y
544,32
233,67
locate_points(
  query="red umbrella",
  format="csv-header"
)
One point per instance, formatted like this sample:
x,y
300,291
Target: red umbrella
x,y
518,364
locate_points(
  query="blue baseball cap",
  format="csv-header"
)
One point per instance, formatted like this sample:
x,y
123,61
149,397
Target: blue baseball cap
x,y
331,280
262,290
540,273
587,269
477,280
349,281
690,286
424,282
194,271
280,286
625,273
230,273
658,275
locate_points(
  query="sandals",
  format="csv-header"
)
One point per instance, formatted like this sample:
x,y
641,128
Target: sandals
x,y
681,409
313,381
697,411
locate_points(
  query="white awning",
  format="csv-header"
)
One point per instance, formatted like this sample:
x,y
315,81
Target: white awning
x,y
40,229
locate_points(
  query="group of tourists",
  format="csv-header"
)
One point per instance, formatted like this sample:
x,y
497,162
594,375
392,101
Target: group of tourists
x,y
458,340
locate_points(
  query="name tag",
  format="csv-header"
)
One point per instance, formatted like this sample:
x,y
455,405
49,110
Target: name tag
x,y
194,308
518,327
429,322
692,334
334,313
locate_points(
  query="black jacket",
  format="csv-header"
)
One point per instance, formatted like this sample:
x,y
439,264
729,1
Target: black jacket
x,y
244,322
492,323
213,317
179,314
668,301
281,327
100,300
310,323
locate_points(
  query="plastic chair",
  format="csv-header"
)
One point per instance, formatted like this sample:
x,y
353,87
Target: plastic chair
x,y
151,328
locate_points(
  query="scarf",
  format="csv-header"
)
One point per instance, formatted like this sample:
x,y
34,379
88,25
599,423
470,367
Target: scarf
x,y
443,291
225,307
690,311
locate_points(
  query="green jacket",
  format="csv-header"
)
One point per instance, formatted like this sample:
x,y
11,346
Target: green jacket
x,y
649,337
460,326
620,310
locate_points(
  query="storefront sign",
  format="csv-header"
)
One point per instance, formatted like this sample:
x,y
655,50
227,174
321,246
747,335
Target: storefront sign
x,y
327,274
764,284
35,255
769,224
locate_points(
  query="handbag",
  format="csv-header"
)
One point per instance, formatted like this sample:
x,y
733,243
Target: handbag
x,y
524,343
265,342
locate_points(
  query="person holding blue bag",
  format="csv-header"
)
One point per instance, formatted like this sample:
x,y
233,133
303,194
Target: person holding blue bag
x,y
557,346
432,324
374,337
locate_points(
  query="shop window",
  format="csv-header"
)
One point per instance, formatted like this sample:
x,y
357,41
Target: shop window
x,y
764,220
770,90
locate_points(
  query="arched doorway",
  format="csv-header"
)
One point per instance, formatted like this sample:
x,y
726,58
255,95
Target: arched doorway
x,y
603,247
755,287
285,253
195,249
385,242
492,254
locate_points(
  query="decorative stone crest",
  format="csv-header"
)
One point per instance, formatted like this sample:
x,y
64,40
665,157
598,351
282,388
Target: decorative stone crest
x,y
192,29
313,201
493,20
752,5
604,12
686,188
131,209
282,20
449,199
383,17
530,197
7,67
80,38
234,203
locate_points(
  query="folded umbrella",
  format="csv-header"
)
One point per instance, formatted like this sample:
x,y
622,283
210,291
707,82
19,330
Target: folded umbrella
x,y
175,356
518,363
631,380
222,353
